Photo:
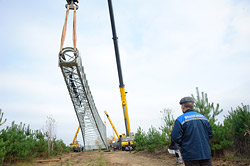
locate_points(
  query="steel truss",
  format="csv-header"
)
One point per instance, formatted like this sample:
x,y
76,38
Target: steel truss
x,y
92,126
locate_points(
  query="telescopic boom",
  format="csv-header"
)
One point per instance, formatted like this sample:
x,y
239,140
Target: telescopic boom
x,y
117,55
77,131
112,125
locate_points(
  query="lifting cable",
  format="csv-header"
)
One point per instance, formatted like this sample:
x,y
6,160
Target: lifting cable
x,y
70,6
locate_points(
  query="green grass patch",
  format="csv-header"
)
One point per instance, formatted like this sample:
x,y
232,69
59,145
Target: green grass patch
x,y
98,162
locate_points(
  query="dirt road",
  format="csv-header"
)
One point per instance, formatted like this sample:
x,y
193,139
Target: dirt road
x,y
123,158
134,159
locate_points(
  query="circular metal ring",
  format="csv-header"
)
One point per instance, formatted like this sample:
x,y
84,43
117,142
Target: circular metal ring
x,y
68,54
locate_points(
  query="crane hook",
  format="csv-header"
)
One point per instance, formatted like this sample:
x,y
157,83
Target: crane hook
x,y
71,4
72,1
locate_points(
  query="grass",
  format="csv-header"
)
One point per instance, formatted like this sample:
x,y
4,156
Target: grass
x,y
237,158
99,162
68,163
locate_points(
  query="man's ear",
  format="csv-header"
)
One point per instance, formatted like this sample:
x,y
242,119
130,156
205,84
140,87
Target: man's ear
x,y
182,107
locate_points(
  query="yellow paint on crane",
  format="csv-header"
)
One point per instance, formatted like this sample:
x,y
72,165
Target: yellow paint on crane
x,y
125,109
112,125
74,140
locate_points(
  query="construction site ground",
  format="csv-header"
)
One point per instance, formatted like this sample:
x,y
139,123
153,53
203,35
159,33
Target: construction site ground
x,y
123,158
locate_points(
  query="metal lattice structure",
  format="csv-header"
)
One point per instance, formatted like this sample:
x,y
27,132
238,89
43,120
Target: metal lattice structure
x,y
92,126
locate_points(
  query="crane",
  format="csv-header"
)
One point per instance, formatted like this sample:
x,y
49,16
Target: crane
x,y
119,69
128,138
75,144
115,145
112,125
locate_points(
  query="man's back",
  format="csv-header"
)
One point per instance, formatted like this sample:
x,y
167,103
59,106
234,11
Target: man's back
x,y
193,131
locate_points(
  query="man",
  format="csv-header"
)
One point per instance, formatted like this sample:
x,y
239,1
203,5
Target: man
x,y
192,132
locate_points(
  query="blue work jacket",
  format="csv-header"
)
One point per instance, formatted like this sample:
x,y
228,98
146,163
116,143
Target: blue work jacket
x,y
193,131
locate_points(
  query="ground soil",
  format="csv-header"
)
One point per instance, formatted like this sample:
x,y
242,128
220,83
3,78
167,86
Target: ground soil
x,y
124,158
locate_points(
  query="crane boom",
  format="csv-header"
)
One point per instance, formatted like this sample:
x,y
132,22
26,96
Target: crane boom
x,y
77,131
112,125
118,62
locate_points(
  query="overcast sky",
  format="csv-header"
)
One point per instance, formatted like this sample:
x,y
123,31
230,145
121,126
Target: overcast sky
x,y
167,49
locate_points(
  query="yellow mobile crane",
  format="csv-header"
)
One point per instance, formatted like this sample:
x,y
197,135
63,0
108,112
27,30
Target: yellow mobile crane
x,y
115,145
122,142
112,125
128,138
75,144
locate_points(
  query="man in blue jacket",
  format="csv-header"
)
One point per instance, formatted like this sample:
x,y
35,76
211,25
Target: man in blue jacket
x,y
192,132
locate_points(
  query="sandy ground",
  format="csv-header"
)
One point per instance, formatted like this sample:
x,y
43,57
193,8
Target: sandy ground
x,y
114,158
124,158
140,159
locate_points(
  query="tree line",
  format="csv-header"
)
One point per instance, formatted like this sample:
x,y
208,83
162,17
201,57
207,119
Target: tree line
x,y
19,143
233,134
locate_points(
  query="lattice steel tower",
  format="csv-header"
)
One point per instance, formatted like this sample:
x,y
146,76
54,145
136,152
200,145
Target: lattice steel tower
x,y
92,126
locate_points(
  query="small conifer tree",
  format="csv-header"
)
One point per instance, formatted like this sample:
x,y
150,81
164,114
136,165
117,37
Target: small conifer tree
x,y
1,118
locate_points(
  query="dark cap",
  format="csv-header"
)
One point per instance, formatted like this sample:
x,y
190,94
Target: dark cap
x,y
186,100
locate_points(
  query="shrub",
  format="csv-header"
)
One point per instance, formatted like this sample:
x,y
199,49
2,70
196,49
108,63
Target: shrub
x,y
1,118
168,123
221,136
140,139
154,139
239,121
2,150
20,143
203,106
2,143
